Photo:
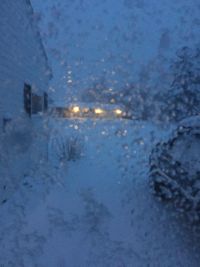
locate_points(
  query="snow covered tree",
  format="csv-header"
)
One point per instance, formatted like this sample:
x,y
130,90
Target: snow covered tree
x,y
183,98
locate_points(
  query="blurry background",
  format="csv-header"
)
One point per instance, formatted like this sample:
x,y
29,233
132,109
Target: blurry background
x,y
114,45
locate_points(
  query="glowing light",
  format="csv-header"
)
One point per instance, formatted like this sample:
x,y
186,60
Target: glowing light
x,y
76,109
98,111
118,111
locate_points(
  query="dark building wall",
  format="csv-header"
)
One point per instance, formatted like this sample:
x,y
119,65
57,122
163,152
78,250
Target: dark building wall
x,y
22,57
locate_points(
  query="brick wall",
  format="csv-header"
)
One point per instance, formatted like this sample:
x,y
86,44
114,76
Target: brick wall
x,y
22,57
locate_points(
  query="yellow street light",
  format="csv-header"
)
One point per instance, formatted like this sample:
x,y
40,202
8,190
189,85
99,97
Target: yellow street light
x,y
118,111
76,109
98,111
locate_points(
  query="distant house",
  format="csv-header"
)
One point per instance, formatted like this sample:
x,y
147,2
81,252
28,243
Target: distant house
x,y
24,70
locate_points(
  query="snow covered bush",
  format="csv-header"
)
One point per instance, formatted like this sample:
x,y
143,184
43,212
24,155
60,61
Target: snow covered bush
x,y
63,148
71,149
175,170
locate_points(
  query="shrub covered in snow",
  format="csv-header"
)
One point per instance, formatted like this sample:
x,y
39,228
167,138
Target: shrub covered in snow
x,y
175,170
63,148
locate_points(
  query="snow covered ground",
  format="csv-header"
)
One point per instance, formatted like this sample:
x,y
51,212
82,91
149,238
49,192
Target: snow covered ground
x,y
96,211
